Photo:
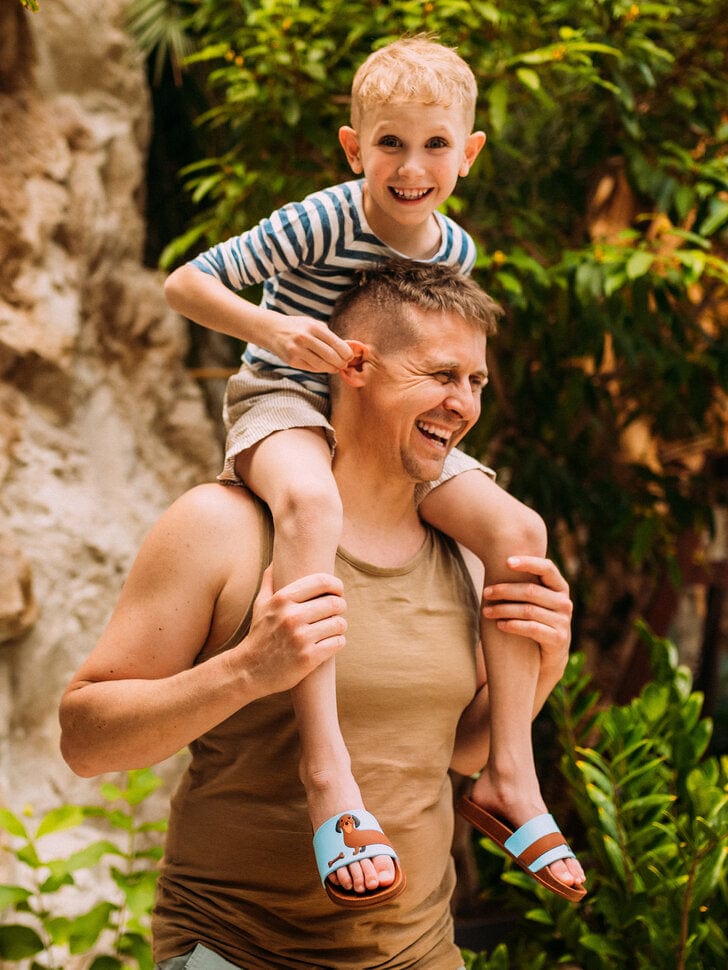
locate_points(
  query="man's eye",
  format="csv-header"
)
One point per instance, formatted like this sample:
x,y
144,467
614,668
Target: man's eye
x,y
445,376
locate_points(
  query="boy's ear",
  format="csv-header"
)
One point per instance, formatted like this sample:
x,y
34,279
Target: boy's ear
x,y
349,141
473,145
353,373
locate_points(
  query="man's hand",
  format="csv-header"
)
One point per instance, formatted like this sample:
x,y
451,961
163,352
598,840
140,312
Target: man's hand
x,y
541,612
308,344
293,631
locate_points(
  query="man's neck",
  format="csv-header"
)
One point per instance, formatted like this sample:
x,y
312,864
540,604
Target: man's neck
x,y
381,524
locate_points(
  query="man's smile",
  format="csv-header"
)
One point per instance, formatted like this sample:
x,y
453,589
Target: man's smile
x,y
435,433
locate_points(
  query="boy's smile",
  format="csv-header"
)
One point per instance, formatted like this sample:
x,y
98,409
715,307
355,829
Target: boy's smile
x,y
411,155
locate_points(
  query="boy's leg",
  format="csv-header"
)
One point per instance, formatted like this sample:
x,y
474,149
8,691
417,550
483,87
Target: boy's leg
x,y
291,471
480,515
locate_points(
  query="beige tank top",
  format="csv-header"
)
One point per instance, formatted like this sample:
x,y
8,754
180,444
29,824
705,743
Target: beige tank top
x,y
239,874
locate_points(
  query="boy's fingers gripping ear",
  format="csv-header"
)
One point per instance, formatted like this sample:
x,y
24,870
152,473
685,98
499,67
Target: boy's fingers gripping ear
x,y
359,353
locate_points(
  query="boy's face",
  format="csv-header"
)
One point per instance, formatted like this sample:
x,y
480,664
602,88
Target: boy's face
x,y
411,155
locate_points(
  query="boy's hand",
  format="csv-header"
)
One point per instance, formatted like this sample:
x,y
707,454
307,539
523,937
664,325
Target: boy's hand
x,y
308,344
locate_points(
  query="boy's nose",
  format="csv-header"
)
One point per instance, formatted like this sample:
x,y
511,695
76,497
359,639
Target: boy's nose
x,y
410,166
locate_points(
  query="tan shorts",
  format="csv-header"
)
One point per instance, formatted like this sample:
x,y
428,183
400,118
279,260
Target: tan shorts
x,y
257,404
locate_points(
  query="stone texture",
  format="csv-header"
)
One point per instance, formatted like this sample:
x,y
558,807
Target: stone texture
x,y
100,426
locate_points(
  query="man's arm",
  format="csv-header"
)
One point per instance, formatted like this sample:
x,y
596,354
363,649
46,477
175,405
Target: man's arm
x,y
541,612
146,690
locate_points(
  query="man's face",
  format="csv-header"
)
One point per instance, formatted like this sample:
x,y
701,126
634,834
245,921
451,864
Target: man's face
x,y
422,399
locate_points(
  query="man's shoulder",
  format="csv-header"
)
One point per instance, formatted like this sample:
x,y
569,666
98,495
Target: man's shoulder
x,y
215,511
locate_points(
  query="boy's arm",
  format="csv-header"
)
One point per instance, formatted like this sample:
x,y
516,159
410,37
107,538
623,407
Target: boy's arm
x,y
540,612
299,341
142,695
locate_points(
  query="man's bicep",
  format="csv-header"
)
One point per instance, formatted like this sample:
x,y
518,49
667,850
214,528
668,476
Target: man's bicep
x,y
157,629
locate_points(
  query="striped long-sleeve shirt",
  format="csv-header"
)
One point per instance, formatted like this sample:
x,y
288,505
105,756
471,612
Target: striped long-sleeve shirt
x,y
306,253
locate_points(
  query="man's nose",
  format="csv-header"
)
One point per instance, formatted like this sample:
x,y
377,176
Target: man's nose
x,y
462,401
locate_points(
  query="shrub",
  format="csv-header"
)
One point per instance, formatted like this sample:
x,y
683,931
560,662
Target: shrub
x,y
654,814
116,931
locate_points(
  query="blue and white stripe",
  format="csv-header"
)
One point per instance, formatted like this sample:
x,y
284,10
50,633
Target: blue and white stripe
x,y
305,255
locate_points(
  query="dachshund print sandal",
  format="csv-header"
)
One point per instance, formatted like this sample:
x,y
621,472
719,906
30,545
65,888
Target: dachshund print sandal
x,y
349,838
533,846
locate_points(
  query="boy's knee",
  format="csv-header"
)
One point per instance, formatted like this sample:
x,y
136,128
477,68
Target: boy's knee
x,y
529,534
520,533
309,504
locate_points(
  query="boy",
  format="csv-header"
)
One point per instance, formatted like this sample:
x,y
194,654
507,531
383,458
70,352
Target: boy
x,y
413,106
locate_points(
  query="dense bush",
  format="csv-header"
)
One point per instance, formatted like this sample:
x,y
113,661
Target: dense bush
x,y
600,116
654,816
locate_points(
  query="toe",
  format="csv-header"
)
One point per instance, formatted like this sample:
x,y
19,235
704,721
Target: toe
x,y
567,871
385,870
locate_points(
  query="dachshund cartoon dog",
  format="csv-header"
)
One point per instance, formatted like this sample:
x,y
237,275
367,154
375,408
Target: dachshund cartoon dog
x,y
348,827
358,840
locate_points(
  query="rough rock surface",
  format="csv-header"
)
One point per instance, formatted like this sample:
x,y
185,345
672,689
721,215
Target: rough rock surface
x,y
100,426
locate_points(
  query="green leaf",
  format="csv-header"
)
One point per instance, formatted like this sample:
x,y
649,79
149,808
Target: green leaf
x,y
638,264
85,930
528,78
11,895
614,854
12,824
137,946
19,942
716,218
539,915
58,819
654,800
497,97
138,888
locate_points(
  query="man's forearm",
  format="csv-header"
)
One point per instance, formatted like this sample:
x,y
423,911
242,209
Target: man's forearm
x,y
117,725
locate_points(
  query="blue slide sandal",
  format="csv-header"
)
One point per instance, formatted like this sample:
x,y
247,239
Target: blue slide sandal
x,y
351,837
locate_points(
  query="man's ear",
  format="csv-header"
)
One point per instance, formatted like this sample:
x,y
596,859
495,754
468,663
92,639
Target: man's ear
x,y
349,141
473,145
353,373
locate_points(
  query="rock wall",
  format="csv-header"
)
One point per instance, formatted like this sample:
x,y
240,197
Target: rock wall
x,y
100,426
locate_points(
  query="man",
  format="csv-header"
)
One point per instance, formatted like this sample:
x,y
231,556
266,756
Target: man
x,y
201,652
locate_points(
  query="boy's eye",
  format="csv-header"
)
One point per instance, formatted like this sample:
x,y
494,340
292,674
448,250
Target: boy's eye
x,y
389,141
437,143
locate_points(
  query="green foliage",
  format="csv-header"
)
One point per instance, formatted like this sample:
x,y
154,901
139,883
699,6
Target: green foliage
x,y
655,816
116,931
602,335
32,5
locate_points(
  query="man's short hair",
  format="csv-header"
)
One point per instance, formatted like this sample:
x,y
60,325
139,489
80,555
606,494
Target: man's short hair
x,y
375,308
414,69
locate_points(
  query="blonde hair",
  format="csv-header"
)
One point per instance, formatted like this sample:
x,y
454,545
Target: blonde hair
x,y
414,69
